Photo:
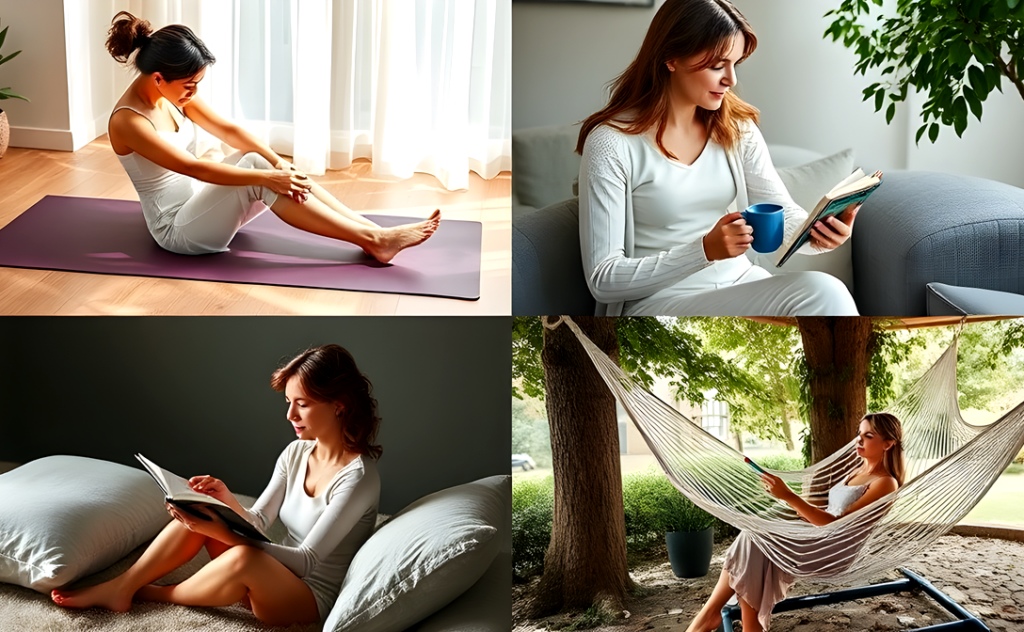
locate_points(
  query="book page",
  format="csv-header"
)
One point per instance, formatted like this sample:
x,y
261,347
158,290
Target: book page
x,y
174,486
853,177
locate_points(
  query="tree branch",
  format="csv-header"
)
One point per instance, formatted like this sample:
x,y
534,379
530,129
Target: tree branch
x,y
1011,74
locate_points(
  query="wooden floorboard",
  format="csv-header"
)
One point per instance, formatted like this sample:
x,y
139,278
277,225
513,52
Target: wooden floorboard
x,y
27,175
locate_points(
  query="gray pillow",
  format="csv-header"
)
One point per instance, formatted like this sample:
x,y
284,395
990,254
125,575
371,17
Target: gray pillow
x,y
65,517
423,558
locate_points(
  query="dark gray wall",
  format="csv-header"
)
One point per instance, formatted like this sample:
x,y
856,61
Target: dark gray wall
x,y
193,394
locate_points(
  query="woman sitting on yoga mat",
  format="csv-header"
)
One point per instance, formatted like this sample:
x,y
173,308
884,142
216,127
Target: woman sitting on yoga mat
x,y
195,206
759,583
325,490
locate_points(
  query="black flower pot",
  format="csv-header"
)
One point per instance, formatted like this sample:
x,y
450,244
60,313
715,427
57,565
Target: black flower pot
x,y
689,552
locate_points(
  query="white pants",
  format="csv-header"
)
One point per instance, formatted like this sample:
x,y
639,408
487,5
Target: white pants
x,y
754,292
210,218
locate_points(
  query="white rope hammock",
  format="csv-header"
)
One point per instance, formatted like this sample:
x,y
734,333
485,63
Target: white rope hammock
x,y
951,464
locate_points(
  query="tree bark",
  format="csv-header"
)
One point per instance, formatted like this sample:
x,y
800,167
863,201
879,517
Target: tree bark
x,y
586,560
838,354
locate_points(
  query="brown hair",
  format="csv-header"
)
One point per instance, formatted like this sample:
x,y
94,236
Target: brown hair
x,y
891,430
174,51
680,29
329,373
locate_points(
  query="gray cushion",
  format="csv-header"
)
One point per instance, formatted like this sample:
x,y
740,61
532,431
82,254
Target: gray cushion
x,y
545,164
949,300
922,227
547,267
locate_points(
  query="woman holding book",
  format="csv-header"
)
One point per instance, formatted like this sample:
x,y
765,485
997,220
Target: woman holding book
x,y
757,582
325,491
661,164
194,206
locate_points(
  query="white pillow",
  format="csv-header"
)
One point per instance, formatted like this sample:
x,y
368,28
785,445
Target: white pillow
x,y
807,184
423,558
65,517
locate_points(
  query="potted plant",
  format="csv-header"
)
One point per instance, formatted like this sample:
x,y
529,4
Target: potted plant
x,y
689,533
5,93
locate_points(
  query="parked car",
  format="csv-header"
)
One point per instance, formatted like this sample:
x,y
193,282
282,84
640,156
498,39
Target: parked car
x,y
524,461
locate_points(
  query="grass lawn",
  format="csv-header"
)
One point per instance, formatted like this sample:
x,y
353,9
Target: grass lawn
x,y
1004,503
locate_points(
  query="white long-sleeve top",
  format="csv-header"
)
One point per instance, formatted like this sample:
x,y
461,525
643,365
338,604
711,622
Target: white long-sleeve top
x,y
620,173
324,531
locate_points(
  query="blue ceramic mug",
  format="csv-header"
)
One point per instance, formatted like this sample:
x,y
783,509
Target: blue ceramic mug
x,y
767,221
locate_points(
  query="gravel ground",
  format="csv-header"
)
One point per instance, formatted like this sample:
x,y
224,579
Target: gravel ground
x,y
985,576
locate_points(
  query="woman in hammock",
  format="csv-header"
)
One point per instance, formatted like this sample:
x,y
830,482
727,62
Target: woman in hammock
x,y
325,490
664,159
758,583
195,206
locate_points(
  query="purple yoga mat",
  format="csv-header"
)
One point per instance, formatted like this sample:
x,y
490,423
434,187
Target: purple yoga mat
x,y
110,237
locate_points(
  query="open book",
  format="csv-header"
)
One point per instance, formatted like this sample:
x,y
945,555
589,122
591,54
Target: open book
x,y
178,493
853,190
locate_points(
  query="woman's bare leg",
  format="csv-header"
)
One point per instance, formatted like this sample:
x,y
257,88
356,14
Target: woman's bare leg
x,y
750,620
382,244
173,547
335,205
710,616
276,595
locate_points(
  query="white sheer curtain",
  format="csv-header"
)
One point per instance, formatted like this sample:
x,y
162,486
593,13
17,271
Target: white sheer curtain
x,y
413,85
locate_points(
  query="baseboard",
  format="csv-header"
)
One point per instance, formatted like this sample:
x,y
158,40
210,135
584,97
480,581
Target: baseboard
x,y
38,138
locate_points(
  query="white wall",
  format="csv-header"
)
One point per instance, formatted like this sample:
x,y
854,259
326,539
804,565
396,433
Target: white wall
x,y
563,55
71,80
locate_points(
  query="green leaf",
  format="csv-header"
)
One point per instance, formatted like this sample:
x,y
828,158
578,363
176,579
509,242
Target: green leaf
x,y
976,76
983,54
889,113
973,102
960,53
920,133
3,36
4,60
933,132
879,100
1012,3
5,93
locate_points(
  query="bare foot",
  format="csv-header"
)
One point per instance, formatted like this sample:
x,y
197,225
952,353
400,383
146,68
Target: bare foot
x,y
701,625
392,241
106,595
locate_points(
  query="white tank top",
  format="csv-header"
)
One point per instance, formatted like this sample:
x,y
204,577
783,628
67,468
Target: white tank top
x,y
162,191
842,496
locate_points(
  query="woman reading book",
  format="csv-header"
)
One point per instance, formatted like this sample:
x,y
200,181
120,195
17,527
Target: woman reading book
x,y
753,578
325,490
664,159
194,206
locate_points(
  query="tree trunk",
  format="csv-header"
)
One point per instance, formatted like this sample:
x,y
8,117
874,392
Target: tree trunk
x,y
838,354
586,560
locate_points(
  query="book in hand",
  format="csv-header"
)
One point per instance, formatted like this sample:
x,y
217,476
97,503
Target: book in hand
x,y
178,492
853,190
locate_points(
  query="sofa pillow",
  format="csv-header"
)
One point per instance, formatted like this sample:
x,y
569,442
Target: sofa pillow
x,y
806,184
950,300
65,517
423,558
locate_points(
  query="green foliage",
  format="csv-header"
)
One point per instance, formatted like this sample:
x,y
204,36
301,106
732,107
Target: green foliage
x,y
590,618
891,348
530,433
533,502
956,51
782,462
5,93
648,348
653,506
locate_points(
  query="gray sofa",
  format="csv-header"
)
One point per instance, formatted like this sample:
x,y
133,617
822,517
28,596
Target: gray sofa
x,y
924,243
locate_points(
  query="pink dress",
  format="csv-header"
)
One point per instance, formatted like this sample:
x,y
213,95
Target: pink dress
x,y
756,579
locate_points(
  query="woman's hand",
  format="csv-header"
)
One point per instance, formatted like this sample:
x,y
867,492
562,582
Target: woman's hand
x,y
213,528
776,487
211,487
731,237
835,230
294,184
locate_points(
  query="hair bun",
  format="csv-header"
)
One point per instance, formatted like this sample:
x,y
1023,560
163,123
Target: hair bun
x,y
127,33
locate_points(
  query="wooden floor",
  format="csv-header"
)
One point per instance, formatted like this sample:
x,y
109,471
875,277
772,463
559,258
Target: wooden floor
x,y
26,175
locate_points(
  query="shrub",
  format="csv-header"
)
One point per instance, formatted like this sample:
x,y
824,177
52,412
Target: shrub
x,y
532,506
654,506
783,462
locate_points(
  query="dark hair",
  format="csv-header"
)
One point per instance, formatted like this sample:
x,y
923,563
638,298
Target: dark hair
x,y
329,374
174,51
680,29
891,429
